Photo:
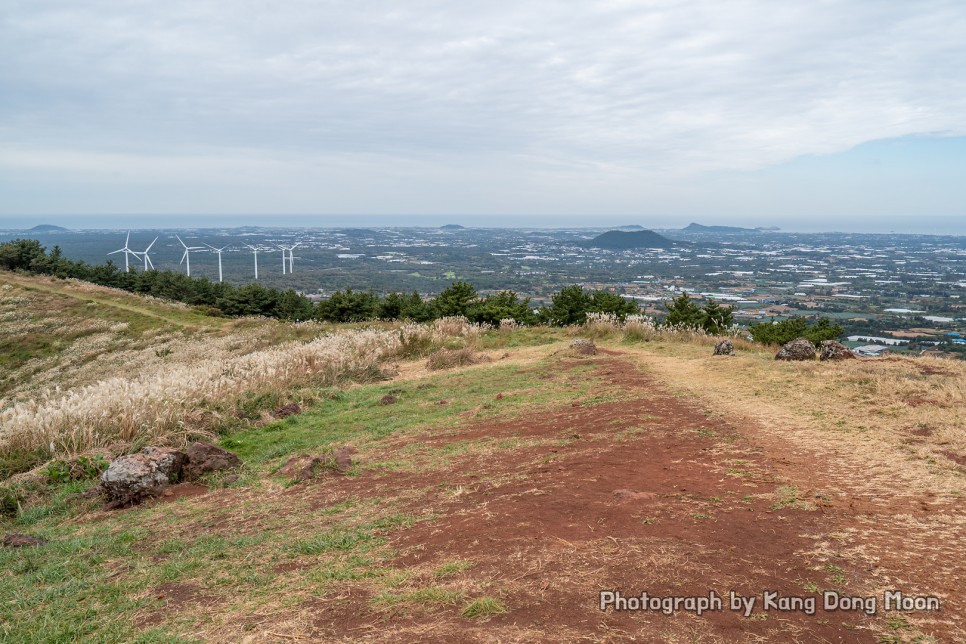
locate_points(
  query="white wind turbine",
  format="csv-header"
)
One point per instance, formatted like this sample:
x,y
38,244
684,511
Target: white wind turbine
x,y
127,252
255,250
187,254
291,257
283,249
144,254
219,251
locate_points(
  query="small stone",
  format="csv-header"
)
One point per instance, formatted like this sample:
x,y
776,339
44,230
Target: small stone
x,y
724,348
286,410
388,399
22,541
584,347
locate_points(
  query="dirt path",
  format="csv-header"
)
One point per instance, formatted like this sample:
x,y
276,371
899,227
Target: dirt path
x,y
642,495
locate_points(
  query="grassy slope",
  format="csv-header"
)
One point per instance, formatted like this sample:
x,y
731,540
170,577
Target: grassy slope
x,y
244,557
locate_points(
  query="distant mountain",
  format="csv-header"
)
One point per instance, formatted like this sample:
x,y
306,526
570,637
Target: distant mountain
x,y
48,228
699,228
631,227
621,240
452,227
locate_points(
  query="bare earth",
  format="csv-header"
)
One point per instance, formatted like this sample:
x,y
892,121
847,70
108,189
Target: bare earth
x,y
654,494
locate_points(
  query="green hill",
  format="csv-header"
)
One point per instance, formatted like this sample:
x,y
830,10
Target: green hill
x,y
626,240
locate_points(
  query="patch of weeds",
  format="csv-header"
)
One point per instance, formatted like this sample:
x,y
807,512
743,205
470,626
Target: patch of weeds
x,y
649,521
484,607
433,595
79,469
341,540
811,587
897,622
700,515
452,568
838,575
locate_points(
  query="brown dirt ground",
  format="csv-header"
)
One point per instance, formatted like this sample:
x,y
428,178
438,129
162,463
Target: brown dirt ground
x,y
663,509
650,493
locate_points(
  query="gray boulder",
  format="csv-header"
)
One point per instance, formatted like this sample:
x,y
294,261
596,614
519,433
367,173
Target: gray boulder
x,y
205,457
832,350
797,349
724,348
132,478
584,347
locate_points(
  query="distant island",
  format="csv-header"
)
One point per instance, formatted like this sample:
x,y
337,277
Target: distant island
x,y
48,228
452,227
621,240
631,227
699,228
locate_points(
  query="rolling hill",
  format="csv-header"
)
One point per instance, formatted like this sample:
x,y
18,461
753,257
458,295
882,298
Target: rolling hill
x,y
627,240
491,499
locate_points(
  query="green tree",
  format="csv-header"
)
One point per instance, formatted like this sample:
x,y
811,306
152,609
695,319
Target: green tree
x,y
606,302
454,299
788,330
683,311
569,306
502,305
717,318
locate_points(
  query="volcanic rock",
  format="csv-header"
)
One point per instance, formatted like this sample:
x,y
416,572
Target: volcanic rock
x,y
832,350
205,457
584,347
132,478
797,349
22,541
724,348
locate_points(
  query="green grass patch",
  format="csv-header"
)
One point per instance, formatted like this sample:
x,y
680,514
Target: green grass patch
x,y
484,607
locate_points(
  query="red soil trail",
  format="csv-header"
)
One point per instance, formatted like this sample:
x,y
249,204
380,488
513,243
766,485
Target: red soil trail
x,y
644,494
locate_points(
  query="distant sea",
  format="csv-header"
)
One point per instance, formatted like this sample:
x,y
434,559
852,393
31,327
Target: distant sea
x,y
927,225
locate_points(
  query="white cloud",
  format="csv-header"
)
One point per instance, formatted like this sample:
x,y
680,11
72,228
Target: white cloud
x,y
538,97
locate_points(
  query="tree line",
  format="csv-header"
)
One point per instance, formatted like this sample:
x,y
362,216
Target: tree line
x,y
570,305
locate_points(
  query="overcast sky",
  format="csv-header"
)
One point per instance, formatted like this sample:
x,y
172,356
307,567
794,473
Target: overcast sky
x,y
530,111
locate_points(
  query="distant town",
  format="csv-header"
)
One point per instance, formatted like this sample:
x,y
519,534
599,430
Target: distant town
x,y
890,292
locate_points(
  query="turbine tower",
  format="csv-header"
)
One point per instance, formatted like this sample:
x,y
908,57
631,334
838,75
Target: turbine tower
x,y
186,258
217,250
144,254
291,258
255,250
127,252
283,249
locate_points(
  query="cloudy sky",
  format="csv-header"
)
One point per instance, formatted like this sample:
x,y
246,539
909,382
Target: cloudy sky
x,y
658,112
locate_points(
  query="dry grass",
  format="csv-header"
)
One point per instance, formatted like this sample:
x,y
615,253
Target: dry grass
x,y
449,358
897,419
169,405
639,328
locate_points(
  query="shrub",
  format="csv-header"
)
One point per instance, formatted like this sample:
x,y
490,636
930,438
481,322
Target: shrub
x,y
788,330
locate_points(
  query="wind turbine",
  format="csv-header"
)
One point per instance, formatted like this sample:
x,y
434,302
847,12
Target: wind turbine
x,y
283,249
217,250
255,250
144,254
127,252
187,254
291,258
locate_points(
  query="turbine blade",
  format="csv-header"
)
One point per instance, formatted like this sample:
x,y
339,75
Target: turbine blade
x,y
150,245
183,257
182,241
120,250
